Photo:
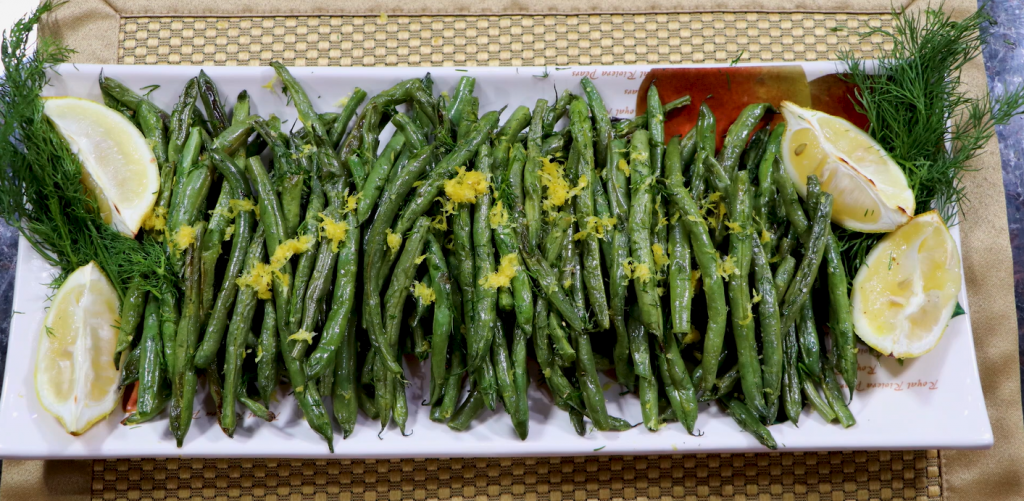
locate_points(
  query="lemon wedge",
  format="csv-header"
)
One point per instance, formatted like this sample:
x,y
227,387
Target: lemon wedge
x,y
906,290
870,191
119,168
75,377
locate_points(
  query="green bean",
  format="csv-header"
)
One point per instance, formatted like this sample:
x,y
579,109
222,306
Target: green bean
x,y
215,114
441,284
212,245
555,239
739,298
169,318
401,411
639,226
541,335
765,177
453,380
754,150
130,371
270,214
683,386
185,379
378,176
307,259
771,337
571,277
792,402
412,133
522,290
656,126
460,99
586,372
556,112
647,388
844,345
520,379
560,339
266,354
234,351
192,181
800,288
790,202
503,139
747,419
128,97
468,411
307,395
181,120
680,285
153,128
619,288
810,349
132,308
111,102
624,128
738,134
554,145
834,394
226,296
401,280
298,97
819,404
485,380
469,119
784,274
399,184
714,290
516,165
583,145
725,384
235,137
342,303
340,126
485,297
503,370
788,243
531,176
602,122
151,362
257,409
367,405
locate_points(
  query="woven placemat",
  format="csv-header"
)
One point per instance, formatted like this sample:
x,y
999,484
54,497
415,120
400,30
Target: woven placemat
x,y
514,41
908,475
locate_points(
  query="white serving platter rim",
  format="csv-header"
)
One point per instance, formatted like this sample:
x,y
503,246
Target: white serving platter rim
x,y
932,402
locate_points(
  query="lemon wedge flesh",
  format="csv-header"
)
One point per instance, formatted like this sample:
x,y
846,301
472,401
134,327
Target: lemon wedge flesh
x,y
119,168
905,292
75,377
869,190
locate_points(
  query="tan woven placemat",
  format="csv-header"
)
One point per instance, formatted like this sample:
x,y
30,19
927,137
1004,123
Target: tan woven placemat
x,y
516,40
822,476
240,35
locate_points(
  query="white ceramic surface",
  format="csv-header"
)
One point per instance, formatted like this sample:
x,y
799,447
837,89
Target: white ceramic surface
x,y
932,402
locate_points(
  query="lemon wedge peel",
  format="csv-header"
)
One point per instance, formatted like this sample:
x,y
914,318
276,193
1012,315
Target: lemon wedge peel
x,y
75,378
118,166
870,190
906,291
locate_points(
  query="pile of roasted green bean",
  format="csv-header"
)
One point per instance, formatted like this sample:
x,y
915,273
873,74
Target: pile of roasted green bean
x,y
468,245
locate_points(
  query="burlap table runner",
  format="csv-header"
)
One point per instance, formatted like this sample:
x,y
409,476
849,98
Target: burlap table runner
x,y
431,32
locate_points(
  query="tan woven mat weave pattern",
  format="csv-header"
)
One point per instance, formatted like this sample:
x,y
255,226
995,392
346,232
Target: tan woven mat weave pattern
x,y
500,40
794,476
515,41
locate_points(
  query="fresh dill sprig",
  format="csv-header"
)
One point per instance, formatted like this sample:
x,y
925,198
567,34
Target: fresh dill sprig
x,y
41,191
921,115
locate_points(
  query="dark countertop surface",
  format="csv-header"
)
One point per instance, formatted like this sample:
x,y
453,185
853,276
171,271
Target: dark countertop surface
x,y
1004,64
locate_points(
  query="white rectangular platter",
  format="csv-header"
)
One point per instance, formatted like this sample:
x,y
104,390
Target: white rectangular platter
x,y
932,402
